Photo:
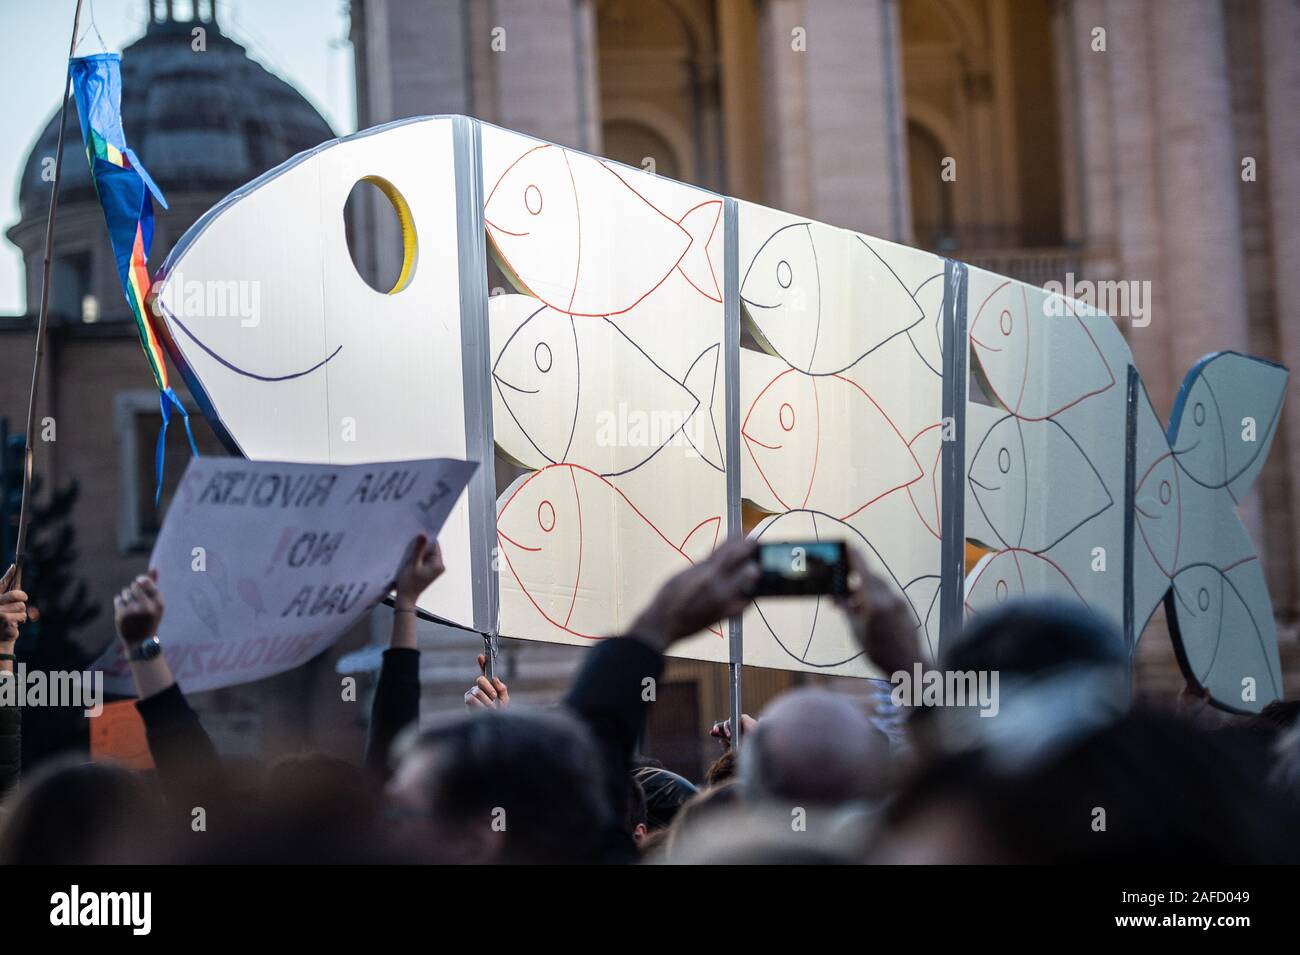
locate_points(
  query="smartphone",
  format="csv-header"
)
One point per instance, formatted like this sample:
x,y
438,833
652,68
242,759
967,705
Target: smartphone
x,y
802,569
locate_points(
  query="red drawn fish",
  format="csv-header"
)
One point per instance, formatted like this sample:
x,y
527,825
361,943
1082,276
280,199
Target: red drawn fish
x,y
807,436
578,548
544,218
1006,337
1015,572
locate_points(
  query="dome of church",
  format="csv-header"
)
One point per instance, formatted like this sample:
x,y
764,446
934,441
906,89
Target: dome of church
x,y
201,122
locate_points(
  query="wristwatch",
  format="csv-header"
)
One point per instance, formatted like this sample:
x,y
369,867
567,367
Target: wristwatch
x,y
146,650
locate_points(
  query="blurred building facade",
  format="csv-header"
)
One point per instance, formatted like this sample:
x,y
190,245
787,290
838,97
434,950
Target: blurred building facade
x,y
1099,139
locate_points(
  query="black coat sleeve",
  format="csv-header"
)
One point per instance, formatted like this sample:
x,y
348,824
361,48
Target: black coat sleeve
x,y
181,748
396,704
11,739
609,695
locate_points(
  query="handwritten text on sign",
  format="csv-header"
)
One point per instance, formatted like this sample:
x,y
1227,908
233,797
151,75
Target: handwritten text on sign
x,y
263,565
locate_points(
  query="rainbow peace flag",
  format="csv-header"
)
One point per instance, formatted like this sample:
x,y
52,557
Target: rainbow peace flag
x,y
124,188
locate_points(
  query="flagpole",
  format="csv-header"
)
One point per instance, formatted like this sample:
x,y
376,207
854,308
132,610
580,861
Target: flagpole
x,y
24,513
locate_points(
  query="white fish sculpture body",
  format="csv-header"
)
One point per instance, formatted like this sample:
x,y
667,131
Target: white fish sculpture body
x,y
647,375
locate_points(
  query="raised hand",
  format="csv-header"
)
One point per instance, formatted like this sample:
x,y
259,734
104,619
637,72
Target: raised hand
x,y
487,694
881,618
138,609
722,730
700,596
422,567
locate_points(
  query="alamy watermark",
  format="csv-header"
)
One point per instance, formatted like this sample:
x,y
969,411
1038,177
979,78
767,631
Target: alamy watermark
x,y
626,427
1130,299
192,298
83,689
922,687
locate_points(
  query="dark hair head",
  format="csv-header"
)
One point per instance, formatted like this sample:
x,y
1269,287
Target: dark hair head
x,y
1149,788
636,808
723,769
1032,636
539,769
79,813
665,793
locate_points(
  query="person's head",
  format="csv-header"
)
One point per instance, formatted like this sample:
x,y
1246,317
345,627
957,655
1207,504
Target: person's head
x,y
79,813
722,770
1285,774
752,835
323,793
636,820
1051,671
1035,637
665,793
309,808
501,786
1148,788
704,806
814,747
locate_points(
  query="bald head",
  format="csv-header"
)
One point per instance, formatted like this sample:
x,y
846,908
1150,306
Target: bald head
x,y
815,747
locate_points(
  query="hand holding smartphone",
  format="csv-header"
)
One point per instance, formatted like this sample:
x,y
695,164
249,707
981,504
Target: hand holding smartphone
x,y
802,569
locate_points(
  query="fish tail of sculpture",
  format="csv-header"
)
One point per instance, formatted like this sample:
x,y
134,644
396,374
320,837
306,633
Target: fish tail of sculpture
x,y
1217,602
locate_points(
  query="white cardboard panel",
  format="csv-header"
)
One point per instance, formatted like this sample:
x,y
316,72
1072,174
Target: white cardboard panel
x,y
840,419
333,371
1045,447
1046,460
608,383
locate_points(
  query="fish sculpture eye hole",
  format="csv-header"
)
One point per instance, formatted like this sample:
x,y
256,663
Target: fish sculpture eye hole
x,y
1203,599
786,414
533,200
542,357
1198,413
784,274
1000,591
406,228
546,516
1004,322
1004,460
1166,492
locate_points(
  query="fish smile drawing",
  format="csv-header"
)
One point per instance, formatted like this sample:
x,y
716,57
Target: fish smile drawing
x,y
999,475
806,464
1012,573
1003,336
535,214
557,525
784,292
564,415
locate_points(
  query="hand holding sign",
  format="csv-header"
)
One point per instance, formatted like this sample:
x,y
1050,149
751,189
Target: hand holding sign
x,y
324,544
422,567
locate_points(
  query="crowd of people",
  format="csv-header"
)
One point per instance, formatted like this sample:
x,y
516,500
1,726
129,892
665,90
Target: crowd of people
x,y
1068,768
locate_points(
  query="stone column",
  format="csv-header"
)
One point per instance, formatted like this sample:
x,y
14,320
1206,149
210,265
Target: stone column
x,y
546,73
1279,173
412,59
1094,147
834,113
787,150
1199,173
1138,226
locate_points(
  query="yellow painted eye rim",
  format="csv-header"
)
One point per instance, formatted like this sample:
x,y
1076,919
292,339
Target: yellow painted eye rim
x,y
410,246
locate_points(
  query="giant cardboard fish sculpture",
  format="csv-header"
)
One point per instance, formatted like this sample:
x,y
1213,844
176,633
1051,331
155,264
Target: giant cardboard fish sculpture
x,y
673,367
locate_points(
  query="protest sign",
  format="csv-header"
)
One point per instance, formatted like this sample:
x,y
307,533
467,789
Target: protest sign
x,y
263,565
